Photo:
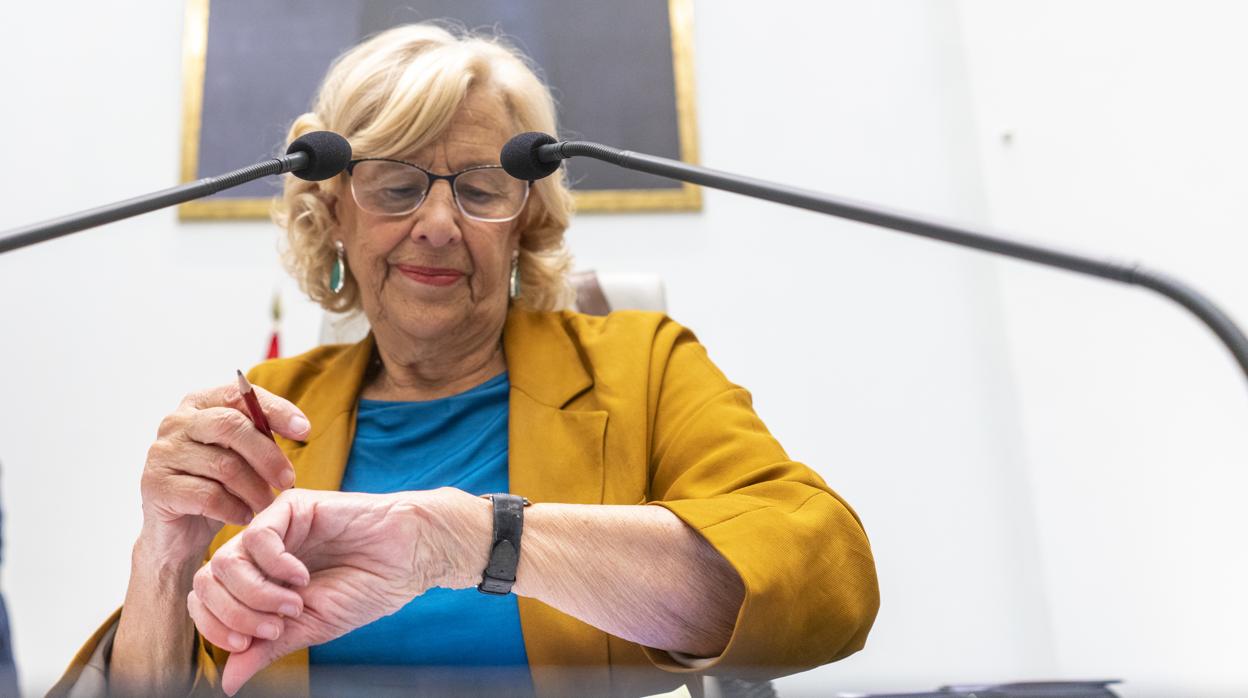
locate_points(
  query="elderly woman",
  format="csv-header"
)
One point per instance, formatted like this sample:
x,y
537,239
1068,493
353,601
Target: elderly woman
x,y
665,532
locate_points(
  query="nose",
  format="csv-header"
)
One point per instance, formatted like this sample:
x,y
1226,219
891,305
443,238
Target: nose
x,y
437,219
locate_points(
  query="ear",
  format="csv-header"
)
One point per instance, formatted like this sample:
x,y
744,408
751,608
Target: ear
x,y
329,193
342,214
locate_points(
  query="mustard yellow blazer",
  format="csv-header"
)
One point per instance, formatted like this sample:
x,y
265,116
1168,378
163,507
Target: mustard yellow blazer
x,y
622,409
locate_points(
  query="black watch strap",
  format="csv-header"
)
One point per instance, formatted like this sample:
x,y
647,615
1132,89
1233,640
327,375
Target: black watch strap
x,y
500,571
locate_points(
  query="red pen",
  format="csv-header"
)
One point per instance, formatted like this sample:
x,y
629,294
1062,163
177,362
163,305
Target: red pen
x,y
253,406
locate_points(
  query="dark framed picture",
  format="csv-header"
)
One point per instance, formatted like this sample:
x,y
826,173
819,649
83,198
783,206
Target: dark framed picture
x,y
621,73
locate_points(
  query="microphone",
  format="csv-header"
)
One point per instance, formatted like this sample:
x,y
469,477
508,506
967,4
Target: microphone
x,y
532,156
314,156
327,154
520,157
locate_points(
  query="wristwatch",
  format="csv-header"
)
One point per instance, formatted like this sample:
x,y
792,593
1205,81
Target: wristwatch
x,y
500,571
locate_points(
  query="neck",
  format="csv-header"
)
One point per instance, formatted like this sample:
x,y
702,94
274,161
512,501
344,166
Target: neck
x,y
413,370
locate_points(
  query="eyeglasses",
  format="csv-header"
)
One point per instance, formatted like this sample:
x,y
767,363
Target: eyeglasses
x,y
388,187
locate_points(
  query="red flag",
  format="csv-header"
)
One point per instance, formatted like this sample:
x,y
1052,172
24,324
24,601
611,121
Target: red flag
x,y
275,349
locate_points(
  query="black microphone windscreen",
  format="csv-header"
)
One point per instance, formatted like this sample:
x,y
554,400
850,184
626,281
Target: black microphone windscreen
x,y
519,156
328,154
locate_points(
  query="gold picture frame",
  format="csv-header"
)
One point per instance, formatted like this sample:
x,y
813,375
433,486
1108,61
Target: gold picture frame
x,y
687,197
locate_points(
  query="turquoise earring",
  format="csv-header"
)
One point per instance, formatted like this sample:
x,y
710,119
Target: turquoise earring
x,y
338,274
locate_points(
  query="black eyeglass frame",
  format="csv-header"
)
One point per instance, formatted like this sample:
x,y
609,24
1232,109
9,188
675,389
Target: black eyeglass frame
x,y
433,178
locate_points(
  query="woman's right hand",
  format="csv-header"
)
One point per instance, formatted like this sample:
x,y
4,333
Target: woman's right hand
x,y
210,466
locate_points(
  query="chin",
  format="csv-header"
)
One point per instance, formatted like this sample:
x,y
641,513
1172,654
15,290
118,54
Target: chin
x,y
429,320
435,318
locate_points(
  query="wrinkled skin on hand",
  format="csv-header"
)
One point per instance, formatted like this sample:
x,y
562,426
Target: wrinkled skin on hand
x,y
209,465
316,565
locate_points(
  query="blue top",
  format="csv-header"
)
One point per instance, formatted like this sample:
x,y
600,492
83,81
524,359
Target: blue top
x,y
458,441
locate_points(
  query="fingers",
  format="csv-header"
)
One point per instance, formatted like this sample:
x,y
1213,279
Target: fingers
x,y
248,584
228,468
264,544
247,656
237,617
241,666
212,628
197,496
236,606
284,417
229,428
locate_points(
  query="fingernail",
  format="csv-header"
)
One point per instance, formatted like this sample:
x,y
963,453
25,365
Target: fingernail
x,y
237,641
289,610
299,425
268,631
288,478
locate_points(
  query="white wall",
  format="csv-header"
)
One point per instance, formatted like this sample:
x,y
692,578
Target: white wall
x,y
1126,123
888,364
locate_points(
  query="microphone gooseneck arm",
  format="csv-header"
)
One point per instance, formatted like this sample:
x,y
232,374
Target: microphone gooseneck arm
x,y
90,218
317,155
545,152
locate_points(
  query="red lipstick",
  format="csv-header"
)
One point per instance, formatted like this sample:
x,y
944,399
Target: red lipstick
x,y
433,276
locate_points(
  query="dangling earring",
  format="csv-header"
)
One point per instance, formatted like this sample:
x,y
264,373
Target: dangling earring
x,y
338,274
513,286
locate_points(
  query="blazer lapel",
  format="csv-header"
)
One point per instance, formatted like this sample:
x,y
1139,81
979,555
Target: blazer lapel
x,y
555,454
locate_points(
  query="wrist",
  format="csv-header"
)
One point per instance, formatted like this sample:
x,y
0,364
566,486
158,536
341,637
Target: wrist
x,y
505,544
532,551
156,554
451,532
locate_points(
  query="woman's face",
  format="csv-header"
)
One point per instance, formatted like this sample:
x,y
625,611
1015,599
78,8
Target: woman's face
x,y
435,273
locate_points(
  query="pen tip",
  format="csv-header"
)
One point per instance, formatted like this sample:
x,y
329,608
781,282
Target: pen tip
x,y
243,386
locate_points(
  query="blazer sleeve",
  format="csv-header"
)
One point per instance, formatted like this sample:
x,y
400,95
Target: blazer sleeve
x,y
87,674
811,593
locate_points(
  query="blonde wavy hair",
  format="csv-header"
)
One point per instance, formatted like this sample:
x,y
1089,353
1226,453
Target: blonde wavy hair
x,y
394,94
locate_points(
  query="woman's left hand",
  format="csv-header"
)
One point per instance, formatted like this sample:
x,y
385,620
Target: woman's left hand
x,y
316,565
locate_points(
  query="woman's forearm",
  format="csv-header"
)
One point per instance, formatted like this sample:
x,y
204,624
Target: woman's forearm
x,y
637,572
154,648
